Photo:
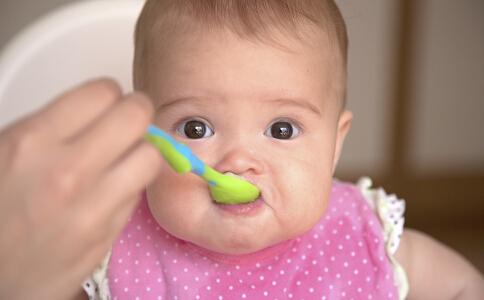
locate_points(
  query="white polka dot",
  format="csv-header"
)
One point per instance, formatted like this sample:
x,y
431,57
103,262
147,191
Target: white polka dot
x,y
311,290
244,296
261,277
274,283
298,283
209,288
126,289
266,293
148,289
320,278
231,287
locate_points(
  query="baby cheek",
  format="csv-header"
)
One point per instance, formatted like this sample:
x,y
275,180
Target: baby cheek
x,y
307,197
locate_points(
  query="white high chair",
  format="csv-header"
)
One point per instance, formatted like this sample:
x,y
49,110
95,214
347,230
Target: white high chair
x,y
75,43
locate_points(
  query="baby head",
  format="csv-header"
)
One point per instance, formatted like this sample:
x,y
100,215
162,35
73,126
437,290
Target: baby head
x,y
255,88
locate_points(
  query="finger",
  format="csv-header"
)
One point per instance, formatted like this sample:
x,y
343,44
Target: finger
x,y
108,139
113,195
74,110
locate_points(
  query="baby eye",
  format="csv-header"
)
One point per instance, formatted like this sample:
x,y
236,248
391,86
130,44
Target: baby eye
x,y
194,129
282,130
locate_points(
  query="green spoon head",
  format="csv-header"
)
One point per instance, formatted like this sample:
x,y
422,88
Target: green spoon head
x,y
233,190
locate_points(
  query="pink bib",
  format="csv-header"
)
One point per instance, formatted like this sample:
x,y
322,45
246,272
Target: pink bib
x,y
342,257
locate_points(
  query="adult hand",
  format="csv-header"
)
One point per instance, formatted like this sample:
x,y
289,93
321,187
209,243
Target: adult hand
x,y
70,175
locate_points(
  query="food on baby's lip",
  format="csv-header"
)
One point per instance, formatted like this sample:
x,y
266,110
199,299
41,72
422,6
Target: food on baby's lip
x,y
225,189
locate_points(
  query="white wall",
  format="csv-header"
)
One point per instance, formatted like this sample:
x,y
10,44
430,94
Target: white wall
x,y
372,26
15,14
448,121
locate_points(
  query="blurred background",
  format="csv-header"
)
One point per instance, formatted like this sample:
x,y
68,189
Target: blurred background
x,y
416,88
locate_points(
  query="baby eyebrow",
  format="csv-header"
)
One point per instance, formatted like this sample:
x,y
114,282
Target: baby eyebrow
x,y
178,101
300,103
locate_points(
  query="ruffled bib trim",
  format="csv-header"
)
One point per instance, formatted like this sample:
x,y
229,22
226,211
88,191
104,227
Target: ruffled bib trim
x,y
390,211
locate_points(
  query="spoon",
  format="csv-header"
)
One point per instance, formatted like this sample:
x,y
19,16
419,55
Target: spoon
x,y
224,189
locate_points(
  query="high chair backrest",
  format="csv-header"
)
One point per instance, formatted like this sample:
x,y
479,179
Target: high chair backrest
x,y
68,46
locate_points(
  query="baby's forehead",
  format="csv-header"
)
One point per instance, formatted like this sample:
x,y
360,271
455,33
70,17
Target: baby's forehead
x,y
260,20
322,29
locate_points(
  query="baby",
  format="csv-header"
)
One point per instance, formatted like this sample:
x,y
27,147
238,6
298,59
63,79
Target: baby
x,y
257,89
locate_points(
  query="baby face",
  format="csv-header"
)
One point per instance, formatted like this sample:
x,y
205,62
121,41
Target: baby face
x,y
266,113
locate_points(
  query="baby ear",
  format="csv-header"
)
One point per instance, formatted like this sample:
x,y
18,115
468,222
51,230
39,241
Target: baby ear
x,y
344,125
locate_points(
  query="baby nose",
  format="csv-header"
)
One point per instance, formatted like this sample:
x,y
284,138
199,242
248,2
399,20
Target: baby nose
x,y
240,161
